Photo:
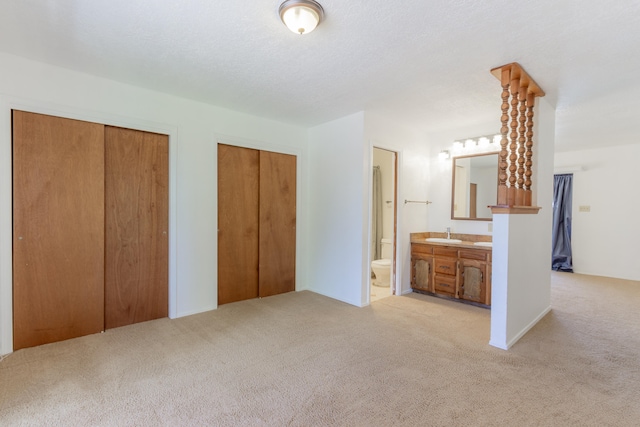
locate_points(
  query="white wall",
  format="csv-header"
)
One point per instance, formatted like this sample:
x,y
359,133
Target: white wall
x,y
604,240
521,279
339,166
193,129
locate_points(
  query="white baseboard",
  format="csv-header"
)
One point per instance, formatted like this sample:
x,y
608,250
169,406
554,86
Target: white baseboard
x,y
192,312
355,303
512,341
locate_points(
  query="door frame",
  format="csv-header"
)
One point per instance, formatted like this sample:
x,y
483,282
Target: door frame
x,y
6,197
396,272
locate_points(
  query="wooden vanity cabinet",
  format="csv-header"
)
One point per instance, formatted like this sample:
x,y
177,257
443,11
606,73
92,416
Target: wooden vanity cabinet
x,y
452,271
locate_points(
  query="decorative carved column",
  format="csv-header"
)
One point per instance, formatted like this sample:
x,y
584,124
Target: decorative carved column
x,y
529,154
515,164
513,157
522,98
502,157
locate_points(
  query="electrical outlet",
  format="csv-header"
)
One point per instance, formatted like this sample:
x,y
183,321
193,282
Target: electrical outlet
x,y
585,208
490,227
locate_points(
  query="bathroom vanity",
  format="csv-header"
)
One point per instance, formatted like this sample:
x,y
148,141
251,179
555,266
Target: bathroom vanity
x,y
458,267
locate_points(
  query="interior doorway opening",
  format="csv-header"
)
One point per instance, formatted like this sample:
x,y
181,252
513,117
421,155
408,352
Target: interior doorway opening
x,y
561,256
382,251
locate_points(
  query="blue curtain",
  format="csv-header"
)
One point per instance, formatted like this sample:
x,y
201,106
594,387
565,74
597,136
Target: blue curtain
x,y
561,259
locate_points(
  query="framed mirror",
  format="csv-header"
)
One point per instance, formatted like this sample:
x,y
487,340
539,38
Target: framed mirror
x,y
475,186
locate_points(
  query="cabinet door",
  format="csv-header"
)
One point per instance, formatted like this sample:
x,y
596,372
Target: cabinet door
x,y
58,229
238,215
473,280
136,227
277,242
422,273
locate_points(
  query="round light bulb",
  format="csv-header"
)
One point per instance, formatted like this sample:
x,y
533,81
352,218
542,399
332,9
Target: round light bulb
x,y
301,16
300,19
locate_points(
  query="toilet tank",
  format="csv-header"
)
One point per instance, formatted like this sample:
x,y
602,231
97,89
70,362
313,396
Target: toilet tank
x,y
387,248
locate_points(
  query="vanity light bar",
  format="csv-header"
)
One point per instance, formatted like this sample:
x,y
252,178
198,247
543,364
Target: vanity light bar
x,y
478,140
491,142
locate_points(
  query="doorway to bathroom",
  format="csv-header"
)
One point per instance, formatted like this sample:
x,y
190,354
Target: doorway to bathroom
x,y
382,251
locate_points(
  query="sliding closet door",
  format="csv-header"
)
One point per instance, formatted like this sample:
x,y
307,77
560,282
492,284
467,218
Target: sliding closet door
x,y
238,186
58,229
136,231
277,223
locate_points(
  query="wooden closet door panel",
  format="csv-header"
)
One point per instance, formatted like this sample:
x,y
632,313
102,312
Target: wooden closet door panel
x,y
137,209
277,223
58,229
238,175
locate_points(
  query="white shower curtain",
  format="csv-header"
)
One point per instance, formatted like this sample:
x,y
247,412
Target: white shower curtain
x,y
376,215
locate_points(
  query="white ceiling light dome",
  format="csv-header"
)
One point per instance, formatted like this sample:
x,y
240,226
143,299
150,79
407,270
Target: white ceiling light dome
x,y
301,16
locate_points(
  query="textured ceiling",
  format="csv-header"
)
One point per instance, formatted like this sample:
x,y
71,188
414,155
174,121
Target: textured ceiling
x,y
422,62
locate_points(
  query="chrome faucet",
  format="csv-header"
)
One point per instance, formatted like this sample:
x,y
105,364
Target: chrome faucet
x,y
448,232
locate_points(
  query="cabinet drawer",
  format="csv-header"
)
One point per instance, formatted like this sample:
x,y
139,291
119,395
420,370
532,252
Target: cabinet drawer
x,y
445,266
453,253
445,284
479,254
419,248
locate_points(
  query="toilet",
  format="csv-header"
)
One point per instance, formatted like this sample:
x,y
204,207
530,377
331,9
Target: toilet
x,y
382,267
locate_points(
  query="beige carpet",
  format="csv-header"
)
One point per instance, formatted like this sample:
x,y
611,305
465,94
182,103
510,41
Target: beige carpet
x,y
301,359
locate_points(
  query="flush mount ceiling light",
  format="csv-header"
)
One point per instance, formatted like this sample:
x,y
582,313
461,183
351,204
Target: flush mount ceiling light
x,y
301,16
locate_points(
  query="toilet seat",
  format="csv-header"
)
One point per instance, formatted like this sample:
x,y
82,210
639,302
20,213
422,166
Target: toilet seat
x,y
381,262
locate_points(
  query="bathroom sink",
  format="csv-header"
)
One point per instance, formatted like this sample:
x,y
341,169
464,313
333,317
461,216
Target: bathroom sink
x,y
443,240
487,244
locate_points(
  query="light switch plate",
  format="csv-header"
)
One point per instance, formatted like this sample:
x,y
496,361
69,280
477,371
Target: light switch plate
x,y
584,208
